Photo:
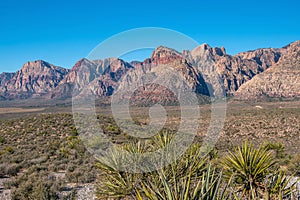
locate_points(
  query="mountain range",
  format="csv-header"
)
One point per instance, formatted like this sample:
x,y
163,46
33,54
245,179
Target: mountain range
x,y
253,75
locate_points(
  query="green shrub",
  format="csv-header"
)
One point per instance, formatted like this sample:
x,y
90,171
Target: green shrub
x,y
2,140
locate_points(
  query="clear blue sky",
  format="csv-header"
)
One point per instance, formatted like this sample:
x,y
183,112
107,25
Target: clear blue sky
x,y
62,32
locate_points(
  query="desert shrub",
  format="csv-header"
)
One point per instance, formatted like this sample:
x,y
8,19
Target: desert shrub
x,y
8,150
294,165
36,185
277,147
9,169
280,154
112,129
2,140
189,177
280,186
35,190
254,174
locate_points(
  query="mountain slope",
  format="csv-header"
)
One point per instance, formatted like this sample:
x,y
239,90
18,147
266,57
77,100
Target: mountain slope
x,y
231,71
161,78
35,78
5,77
99,75
282,80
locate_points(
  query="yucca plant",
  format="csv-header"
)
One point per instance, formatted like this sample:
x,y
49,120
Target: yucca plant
x,y
114,183
279,185
189,177
205,187
210,187
248,167
162,139
114,180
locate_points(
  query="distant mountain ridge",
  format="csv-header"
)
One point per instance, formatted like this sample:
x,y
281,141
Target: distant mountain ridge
x,y
282,80
34,79
203,68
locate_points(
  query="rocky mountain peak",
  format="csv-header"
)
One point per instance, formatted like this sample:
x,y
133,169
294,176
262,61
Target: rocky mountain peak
x,y
206,49
38,67
264,57
35,64
163,52
293,50
201,48
118,64
292,45
35,78
164,55
280,81
80,63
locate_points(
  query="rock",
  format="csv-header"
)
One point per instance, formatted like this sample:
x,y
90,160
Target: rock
x,y
33,79
231,72
99,75
5,77
281,81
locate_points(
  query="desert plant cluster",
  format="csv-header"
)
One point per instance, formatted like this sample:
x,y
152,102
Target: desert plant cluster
x,y
42,156
246,172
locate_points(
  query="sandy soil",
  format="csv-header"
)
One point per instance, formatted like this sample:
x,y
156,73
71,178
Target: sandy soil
x,y
19,110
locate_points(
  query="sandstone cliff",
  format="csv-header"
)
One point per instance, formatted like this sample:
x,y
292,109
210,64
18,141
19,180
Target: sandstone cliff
x,y
281,81
35,78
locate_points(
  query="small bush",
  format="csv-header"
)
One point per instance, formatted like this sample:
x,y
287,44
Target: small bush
x,y
9,169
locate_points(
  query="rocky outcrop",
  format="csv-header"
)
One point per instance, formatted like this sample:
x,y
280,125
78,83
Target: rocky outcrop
x,y
231,72
164,55
161,79
281,81
99,75
35,78
5,77
162,83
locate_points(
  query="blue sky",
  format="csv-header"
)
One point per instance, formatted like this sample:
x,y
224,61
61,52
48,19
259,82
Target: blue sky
x,y
62,32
